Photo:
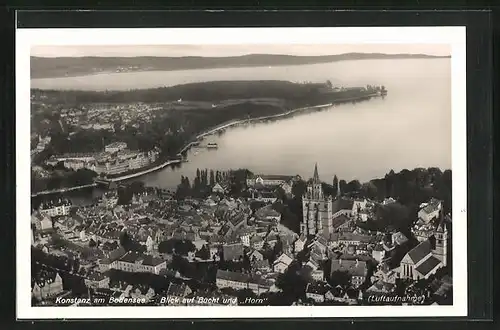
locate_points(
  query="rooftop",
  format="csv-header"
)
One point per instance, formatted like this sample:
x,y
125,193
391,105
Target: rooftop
x,y
420,251
428,265
353,267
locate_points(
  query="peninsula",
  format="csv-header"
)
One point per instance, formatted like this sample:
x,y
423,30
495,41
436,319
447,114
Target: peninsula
x,y
45,67
153,128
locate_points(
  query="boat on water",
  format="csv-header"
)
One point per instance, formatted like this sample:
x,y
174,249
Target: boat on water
x,y
212,145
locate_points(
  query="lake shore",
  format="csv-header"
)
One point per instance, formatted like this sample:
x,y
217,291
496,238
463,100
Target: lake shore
x,y
201,136
232,124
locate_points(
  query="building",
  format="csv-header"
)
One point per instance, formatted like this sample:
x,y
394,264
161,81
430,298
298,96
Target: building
x,y
109,199
137,262
282,263
239,281
358,206
353,239
427,257
218,189
176,293
316,292
97,280
318,274
317,209
381,288
49,285
269,214
342,206
115,147
430,211
41,221
271,180
357,269
255,255
233,251
299,244
57,208
378,253
81,157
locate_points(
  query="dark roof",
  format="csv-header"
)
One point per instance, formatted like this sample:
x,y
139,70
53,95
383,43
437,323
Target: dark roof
x,y
151,261
425,267
353,267
96,276
355,237
233,251
237,219
261,264
232,276
316,288
342,204
432,206
420,251
130,257
243,278
177,290
339,221
117,254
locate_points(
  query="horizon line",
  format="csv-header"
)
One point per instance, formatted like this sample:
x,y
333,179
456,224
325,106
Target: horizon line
x,y
243,55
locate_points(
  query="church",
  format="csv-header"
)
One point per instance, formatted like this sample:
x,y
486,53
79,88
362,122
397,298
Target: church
x,y
317,209
427,257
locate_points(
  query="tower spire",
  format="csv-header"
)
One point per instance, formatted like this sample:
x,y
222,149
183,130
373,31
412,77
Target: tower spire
x,y
316,176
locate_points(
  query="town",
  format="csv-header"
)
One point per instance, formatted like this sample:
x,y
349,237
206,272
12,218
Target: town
x,y
238,238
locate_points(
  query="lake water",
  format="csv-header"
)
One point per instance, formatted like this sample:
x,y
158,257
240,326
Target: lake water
x,y
410,127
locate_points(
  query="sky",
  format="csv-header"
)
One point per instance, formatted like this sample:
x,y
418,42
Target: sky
x,y
236,50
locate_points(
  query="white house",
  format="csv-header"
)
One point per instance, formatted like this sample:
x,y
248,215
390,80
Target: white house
x,y
281,264
378,253
430,211
55,208
137,262
218,189
300,243
97,280
239,281
49,286
150,244
316,292
115,147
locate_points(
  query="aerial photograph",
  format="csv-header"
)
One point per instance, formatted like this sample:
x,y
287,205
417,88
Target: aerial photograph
x,y
241,175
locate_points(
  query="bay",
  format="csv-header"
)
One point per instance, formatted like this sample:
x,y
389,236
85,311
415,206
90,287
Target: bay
x,y
409,128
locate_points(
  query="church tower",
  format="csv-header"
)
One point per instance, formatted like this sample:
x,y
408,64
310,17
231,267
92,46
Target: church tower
x,y
441,246
317,209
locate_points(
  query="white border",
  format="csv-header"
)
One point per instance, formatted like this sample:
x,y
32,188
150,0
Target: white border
x,y
455,36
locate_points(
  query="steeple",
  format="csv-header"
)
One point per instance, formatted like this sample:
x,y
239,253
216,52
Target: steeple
x,y
316,176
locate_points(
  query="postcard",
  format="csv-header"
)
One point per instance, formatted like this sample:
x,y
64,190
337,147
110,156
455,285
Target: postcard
x,y
241,173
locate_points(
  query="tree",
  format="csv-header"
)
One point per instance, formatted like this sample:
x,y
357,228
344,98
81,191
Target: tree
x,y
343,186
92,243
335,183
341,278
299,188
369,190
76,265
292,284
203,253
212,178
